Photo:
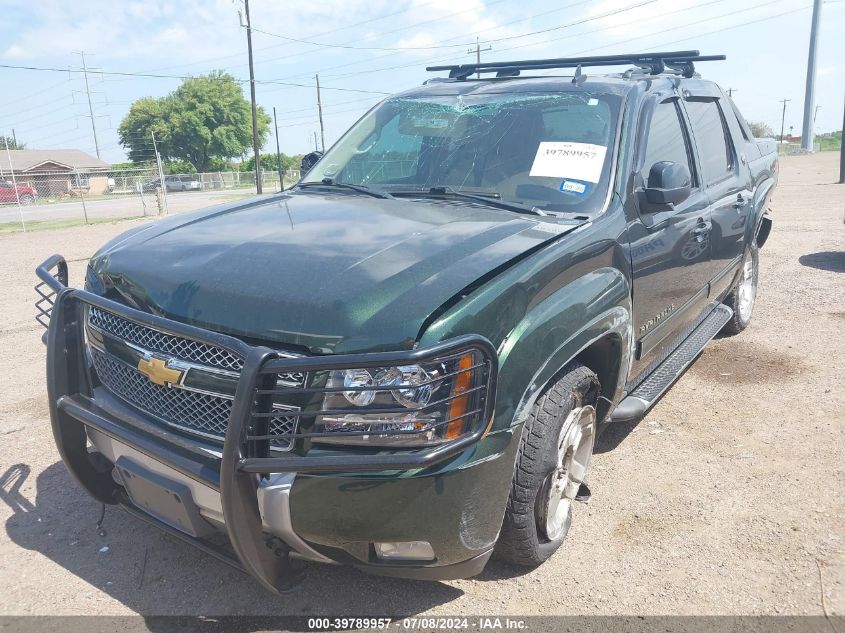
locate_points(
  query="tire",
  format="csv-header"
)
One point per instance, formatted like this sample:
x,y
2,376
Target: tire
x,y
26,199
744,291
534,527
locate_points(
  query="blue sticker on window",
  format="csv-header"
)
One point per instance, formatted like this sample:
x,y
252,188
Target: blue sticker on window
x,y
573,186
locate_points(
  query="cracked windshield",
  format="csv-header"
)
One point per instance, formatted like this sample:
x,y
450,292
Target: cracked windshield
x,y
540,153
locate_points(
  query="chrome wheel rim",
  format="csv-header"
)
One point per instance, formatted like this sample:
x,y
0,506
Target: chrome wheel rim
x,y
575,448
747,291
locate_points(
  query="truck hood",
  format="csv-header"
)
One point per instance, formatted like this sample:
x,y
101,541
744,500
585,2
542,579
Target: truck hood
x,y
321,271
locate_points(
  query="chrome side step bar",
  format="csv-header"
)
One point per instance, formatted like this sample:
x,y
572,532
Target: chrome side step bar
x,y
634,407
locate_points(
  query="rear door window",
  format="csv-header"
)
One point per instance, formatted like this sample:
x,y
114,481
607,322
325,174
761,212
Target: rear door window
x,y
708,126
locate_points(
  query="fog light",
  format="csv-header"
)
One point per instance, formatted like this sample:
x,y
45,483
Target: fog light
x,y
409,550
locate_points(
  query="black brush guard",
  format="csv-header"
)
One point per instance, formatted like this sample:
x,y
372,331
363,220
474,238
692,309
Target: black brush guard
x,y
246,454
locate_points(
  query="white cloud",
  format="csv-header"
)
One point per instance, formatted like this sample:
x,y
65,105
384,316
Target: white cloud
x,y
14,52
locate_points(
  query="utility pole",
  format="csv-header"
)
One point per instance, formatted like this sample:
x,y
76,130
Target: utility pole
x,y
320,112
90,106
731,92
278,153
82,195
14,138
478,50
783,117
842,151
810,92
14,182
160,174
255,147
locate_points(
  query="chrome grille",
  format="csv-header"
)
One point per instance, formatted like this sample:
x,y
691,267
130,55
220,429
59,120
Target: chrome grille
x,y
176,346
203,414
156,341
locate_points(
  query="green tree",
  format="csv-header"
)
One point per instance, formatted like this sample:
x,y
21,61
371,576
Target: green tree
x,y
179,167
269,163
204,122
760,130
13,144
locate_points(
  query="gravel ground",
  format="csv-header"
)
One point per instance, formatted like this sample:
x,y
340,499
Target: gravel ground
x,y
729,498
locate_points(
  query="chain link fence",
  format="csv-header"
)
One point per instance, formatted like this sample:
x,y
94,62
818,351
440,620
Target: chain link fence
x,y
89,196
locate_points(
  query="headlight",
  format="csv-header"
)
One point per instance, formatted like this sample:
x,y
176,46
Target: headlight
x,y
405,405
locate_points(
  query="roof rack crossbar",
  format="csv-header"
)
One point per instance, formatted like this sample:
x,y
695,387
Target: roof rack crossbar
x,y
651,62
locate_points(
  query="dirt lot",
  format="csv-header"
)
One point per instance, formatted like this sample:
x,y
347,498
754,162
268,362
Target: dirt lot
x,y
729,498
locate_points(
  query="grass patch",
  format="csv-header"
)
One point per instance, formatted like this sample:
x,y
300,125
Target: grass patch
x,y
47,225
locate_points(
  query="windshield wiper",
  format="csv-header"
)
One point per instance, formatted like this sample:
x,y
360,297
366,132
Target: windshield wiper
x,y
491,199
328,182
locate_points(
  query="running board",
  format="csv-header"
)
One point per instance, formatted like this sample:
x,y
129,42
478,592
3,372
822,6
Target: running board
x,y
634,407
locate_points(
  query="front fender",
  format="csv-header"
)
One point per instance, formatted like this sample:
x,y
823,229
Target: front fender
x,y
556,331
536,335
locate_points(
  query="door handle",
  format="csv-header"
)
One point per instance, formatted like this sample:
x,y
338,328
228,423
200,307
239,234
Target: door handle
x,y
701,228
740,202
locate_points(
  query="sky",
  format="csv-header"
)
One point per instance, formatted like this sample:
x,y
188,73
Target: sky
x,y
365,50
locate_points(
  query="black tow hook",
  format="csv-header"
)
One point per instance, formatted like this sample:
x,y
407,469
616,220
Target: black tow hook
x,y
293,569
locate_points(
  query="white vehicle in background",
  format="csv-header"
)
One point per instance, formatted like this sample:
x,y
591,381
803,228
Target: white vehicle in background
x,y
191,182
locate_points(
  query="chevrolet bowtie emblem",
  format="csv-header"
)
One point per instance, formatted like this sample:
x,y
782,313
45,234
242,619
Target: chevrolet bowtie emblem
x,y
158,372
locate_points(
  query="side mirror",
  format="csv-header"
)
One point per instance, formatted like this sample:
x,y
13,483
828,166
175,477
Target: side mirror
x,y
309,160
668,183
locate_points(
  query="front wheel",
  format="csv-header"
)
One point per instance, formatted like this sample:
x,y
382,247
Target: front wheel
x,y
554,454
27,199
744,292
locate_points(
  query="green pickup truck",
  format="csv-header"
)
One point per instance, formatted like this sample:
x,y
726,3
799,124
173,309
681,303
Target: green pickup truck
x,y
403,362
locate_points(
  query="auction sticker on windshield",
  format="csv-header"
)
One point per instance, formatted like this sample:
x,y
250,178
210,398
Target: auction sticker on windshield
x,y
564,159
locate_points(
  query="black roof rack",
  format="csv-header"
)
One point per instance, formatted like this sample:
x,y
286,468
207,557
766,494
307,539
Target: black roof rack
x,y
653,63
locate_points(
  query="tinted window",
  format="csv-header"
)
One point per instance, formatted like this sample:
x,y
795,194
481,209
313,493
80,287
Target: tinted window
x,y
743,124
665,140
709,129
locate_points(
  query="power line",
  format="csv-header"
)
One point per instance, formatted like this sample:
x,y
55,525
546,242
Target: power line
x,y
18,98
336,30
557,39
382,34
501,39
357,48
675,28
12,121
727,28
45,104
183,77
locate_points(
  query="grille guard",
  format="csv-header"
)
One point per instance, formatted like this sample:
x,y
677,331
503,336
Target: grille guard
x,y
245,458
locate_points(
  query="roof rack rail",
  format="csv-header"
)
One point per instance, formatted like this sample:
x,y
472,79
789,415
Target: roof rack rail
x,y
654,63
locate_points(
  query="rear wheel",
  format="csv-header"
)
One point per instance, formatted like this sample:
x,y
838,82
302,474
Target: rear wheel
x,y
554,455
744,292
